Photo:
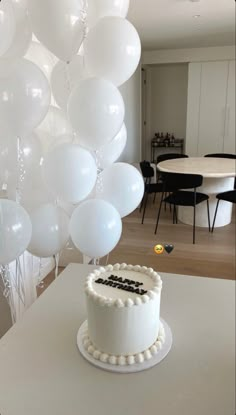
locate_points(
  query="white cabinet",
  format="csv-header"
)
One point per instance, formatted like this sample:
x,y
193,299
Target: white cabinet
x,y
229,137
211,108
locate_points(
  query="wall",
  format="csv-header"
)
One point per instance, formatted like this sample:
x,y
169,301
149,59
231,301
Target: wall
x,y
181,56
188,55
131,92
166,101
5,315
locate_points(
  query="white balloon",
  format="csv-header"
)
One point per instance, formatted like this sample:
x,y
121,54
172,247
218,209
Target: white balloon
x,y
24,97
96,111
70,172
24,171
44,59
113,150
7,25
23,32
50,231
54,125
112,50
33,190
15,231
101,8
58,25
122,186
61,139
95,228
65,77
8,161
31,152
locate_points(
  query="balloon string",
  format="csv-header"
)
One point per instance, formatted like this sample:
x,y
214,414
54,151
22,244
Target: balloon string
x,y
67,77
107,259
57,259
99,184
84,13
6,288
5,281
40,281
19,281
20,171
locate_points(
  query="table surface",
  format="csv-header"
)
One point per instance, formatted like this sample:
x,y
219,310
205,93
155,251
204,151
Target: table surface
x,y
206,166
42,371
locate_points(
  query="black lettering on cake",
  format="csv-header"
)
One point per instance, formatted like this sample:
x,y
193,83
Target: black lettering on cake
x,y
122,284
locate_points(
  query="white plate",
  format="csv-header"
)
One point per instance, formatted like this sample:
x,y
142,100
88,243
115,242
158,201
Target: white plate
x,y
137,367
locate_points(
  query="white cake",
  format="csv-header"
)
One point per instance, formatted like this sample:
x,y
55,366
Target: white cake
x,y
123,306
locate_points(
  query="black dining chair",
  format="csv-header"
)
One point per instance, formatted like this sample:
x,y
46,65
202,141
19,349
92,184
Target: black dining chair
x,y
229,196
148,173
151,188
173,182
224,156
165,157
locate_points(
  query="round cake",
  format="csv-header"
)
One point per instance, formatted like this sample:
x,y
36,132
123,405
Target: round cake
x,y
123,307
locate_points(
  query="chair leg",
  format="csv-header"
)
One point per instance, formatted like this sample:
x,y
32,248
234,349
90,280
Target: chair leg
x,y
212,230
145,205
194,223
174,218
208,215
141,204
154,199
159,213
176,215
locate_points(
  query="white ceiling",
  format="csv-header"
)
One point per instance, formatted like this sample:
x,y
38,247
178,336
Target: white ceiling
x,y
169,24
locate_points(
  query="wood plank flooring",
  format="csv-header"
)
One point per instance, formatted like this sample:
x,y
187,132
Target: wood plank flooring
x,y
212,256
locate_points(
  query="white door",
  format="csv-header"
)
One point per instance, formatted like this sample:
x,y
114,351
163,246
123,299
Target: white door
x,y
212,107
144,113
229,139
193,108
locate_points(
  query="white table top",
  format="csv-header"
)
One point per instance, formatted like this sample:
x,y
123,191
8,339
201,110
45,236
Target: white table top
x,y
206,166
42,372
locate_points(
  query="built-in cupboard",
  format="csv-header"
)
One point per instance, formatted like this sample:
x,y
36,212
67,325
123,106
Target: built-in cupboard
x,y
211,108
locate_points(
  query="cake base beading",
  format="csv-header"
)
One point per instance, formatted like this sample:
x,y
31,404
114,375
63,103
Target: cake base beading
x,y
126,364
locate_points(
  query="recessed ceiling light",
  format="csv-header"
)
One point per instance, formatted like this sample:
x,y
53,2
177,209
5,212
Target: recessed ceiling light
x,y
196,16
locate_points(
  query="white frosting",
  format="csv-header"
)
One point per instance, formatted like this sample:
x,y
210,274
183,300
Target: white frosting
x,y
122,323
107,296
125,360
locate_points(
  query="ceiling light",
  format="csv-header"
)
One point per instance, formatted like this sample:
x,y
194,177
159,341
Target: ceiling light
x,y
196,16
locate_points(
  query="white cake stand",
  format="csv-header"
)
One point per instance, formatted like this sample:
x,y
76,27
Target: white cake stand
x,y
137,367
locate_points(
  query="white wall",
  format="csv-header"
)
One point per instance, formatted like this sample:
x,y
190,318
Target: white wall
x,y
131,92
189,55
5,315
166,101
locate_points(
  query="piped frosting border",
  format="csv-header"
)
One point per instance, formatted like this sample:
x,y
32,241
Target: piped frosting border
x,y
130,302
125,360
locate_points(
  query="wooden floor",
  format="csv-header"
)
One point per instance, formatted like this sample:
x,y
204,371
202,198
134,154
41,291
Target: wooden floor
x,y
212,256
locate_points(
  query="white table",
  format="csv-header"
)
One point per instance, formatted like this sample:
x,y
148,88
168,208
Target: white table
x,y
218,176
42,372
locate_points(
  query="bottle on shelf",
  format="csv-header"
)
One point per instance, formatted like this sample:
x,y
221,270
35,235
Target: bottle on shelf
x,y
167,140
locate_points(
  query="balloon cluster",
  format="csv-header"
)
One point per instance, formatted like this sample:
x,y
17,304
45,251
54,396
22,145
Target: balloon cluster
x,y
62,125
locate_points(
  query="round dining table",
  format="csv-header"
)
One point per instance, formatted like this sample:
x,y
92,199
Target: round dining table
x,y
218,176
